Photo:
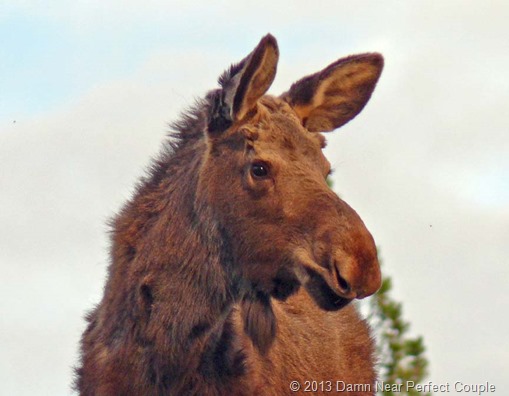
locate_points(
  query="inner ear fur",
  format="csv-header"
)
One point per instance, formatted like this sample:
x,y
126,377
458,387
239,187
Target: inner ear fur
x,y
256,77
330,98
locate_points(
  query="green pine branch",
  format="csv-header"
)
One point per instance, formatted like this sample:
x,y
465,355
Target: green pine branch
x,y
401,358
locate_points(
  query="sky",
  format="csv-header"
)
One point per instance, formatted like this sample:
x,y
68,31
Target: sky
x,y
87,89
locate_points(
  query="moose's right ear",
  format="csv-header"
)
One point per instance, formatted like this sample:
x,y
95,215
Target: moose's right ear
x,y
243,84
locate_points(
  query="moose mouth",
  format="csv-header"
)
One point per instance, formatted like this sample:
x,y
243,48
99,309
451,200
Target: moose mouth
x,y
323,283
322,293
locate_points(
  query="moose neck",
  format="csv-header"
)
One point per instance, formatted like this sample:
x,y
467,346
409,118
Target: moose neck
x,y
193,249
187,283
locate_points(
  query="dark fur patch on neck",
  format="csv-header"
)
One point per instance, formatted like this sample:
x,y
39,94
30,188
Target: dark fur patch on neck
x,y
259,320
285,284
223,356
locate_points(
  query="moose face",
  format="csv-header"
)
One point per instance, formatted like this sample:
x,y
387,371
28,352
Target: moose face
x,y
264,178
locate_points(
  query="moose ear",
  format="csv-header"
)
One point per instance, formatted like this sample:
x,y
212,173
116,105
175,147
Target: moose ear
x,y
330,98
243,84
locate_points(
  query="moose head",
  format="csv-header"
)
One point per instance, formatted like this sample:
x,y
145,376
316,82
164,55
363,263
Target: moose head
x,y
264,178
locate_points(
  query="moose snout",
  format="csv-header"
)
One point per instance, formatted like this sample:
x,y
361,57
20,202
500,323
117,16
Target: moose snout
x,y
334,276
352,254
355,277
341,262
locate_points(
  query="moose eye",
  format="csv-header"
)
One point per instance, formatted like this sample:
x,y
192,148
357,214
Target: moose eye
x,y
259,170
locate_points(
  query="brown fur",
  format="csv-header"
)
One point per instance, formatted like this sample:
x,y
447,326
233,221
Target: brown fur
x,y
228,281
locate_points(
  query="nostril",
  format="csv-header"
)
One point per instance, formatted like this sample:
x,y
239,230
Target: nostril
x,y
343,284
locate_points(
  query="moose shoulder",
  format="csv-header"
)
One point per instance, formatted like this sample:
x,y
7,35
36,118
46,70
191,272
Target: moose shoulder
x,y
233,265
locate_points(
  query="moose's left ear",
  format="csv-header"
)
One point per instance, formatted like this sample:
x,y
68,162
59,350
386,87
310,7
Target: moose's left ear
x,y
328,99
243,84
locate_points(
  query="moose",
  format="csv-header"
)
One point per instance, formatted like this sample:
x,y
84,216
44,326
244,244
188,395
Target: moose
x,y
234,263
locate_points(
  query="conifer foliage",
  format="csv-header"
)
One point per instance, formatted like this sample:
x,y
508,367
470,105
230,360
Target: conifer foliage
x,y
401,357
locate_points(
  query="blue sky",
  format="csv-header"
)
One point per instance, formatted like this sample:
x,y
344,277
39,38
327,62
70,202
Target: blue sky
x,y
49,60
53,53
92,85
